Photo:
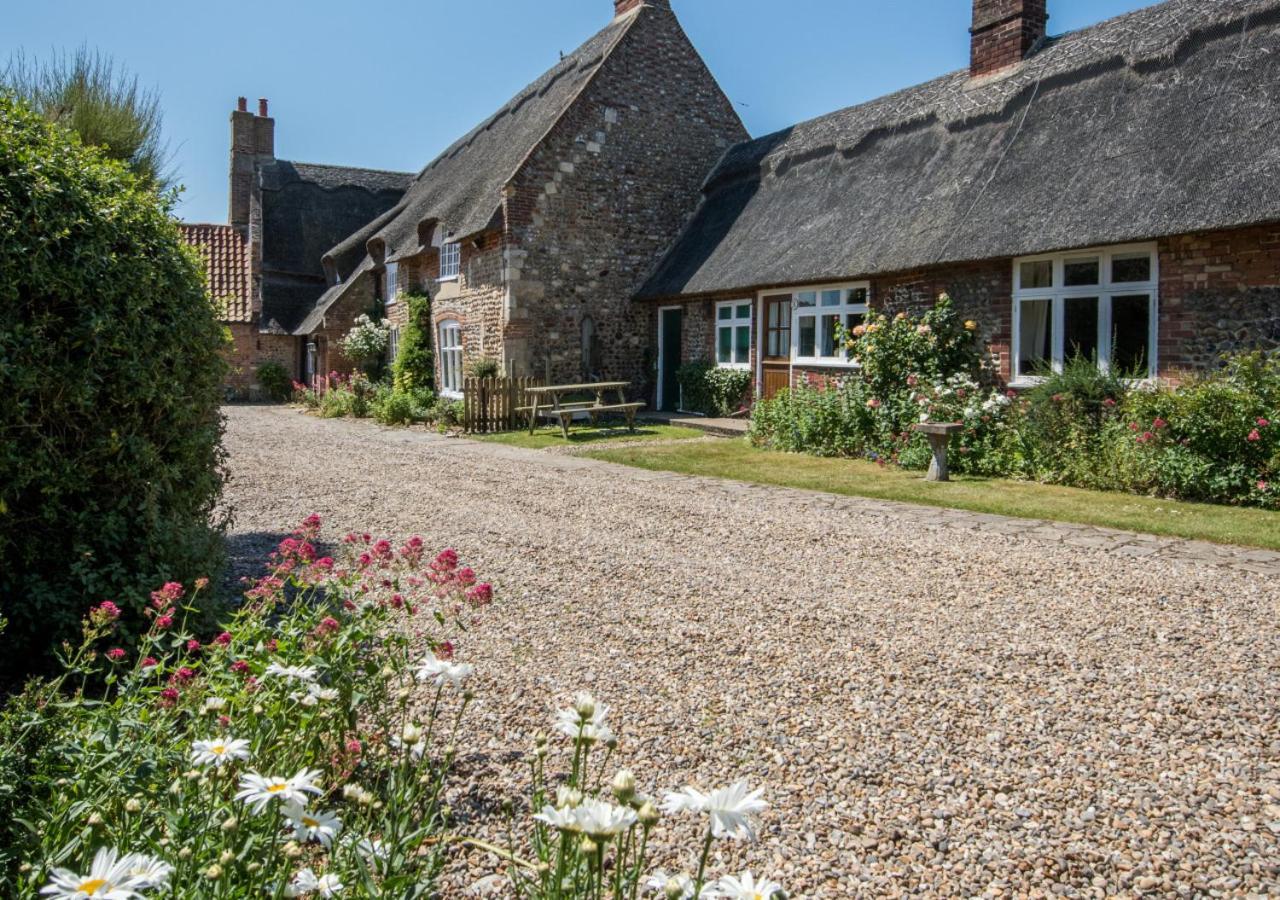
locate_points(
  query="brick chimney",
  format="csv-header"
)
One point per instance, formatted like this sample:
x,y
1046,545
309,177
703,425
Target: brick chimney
x,y
622,7
1004,32
253,139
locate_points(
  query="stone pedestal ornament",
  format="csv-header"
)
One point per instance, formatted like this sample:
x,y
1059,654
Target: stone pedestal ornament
x,y
939,435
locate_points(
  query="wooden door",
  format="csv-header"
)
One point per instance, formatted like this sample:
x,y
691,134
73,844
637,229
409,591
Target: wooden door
x,y
670,339
775,362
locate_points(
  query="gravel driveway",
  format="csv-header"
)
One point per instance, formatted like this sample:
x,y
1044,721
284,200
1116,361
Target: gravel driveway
x,y
929,711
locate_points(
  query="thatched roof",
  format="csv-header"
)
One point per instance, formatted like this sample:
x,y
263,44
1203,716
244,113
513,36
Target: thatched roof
x,y
306,209
461,189
1159,122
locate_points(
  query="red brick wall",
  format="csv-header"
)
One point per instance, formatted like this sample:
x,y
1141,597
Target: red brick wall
x,y
1004,31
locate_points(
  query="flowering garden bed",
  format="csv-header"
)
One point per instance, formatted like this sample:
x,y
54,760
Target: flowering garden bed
x,y
303,750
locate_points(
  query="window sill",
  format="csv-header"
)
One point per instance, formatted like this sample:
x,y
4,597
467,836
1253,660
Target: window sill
x,y
746,367
824,363
447,278
451,395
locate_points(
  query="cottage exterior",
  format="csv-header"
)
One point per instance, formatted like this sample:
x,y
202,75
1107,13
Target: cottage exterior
x,y
533,233
1110,192
265,265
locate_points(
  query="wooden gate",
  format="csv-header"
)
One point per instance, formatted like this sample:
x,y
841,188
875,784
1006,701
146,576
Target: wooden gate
x,y
489,404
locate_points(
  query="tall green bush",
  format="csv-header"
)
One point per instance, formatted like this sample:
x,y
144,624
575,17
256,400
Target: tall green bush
x,y
415,366
111,373
712,390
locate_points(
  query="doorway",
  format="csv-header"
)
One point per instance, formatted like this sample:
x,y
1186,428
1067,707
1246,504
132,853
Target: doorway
x,y
670,339
776,360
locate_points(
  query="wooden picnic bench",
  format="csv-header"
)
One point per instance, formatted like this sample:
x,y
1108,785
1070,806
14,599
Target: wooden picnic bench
x,y
549,401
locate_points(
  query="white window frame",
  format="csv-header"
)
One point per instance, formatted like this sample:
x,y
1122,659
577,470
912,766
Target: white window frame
x,y
393,344
1105,290
732,324
450,260
449,352
844,309
392,283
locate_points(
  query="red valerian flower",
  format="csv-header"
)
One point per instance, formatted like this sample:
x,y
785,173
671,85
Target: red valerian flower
x,y
1159,423
170,593
1146,437
224,639
202,583
480,595
240,666
1263,423
164,622
1011,394
1133,426
169,696
183,675
445,650
115,654
1253,436
328,625
224,720
104,613
466,577
149,662
1109,402
272,645
193,646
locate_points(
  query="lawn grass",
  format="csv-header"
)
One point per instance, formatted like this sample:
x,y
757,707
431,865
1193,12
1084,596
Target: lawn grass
x,y
584,434
739,460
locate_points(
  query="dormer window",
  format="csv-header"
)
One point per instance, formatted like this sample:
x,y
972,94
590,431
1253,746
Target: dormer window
x,y
450,260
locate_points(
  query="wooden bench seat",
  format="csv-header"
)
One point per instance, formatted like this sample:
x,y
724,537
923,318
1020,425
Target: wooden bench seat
x,y
566,411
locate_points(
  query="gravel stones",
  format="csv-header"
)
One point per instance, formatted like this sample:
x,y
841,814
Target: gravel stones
x,y
957,711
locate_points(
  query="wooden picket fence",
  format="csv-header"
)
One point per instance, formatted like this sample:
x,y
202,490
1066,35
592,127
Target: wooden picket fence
x,y
489,404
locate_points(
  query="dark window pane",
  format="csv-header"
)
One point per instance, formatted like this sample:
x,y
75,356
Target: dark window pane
x,y
743,311
1130,268
806,298
725,312
742,344
1080,327
832,298
1036,274
829,326
1131,335
1035,336
858,295
1079,272
808,335
724,345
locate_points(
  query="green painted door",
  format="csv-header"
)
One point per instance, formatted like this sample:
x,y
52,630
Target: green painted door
x,y
670,328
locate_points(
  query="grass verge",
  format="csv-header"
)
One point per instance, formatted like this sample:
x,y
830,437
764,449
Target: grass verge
x,y
584,434
739,460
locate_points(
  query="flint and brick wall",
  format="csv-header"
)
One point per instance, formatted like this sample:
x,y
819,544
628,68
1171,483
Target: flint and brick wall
x,y
250,349
1219,294
602,198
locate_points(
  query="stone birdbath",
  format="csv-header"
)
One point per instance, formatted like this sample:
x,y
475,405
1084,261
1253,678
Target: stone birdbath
x,y
939,435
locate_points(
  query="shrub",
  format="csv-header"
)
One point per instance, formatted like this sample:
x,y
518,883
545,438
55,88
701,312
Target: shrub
x,y
712,390
111,375
484,367
415,366
397,407
171,760
275,381
348,396
826,420
366,344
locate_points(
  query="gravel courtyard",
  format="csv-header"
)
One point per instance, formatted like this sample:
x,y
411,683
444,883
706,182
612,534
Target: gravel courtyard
x,y
929,711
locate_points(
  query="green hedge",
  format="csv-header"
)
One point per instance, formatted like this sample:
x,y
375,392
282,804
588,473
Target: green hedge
x,y
111,372
415,366
711,390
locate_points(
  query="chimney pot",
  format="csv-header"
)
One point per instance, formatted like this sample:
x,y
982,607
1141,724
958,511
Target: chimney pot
x,y
242,104
1004,32
262,107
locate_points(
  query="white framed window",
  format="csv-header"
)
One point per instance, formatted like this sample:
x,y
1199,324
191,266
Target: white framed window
x,y
393,344
733,333
817,317
450,260
392,284
449,349
1098,304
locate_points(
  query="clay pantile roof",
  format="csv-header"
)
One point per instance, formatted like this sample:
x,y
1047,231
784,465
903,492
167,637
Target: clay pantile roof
x,y
1159,122
226,261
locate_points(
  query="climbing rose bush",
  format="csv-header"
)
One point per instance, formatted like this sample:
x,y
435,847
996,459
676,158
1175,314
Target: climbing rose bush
x,y
283,756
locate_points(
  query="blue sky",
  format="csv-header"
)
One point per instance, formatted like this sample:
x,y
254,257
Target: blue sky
x,y
389,84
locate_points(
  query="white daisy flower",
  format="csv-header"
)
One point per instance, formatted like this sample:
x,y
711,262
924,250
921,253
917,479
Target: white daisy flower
x,y
593,817
219,752
442,672
292,673
214,704
585,721
108,878
312,826
745,887
372,849
149,871
562,819
258,790
729,808
305,882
